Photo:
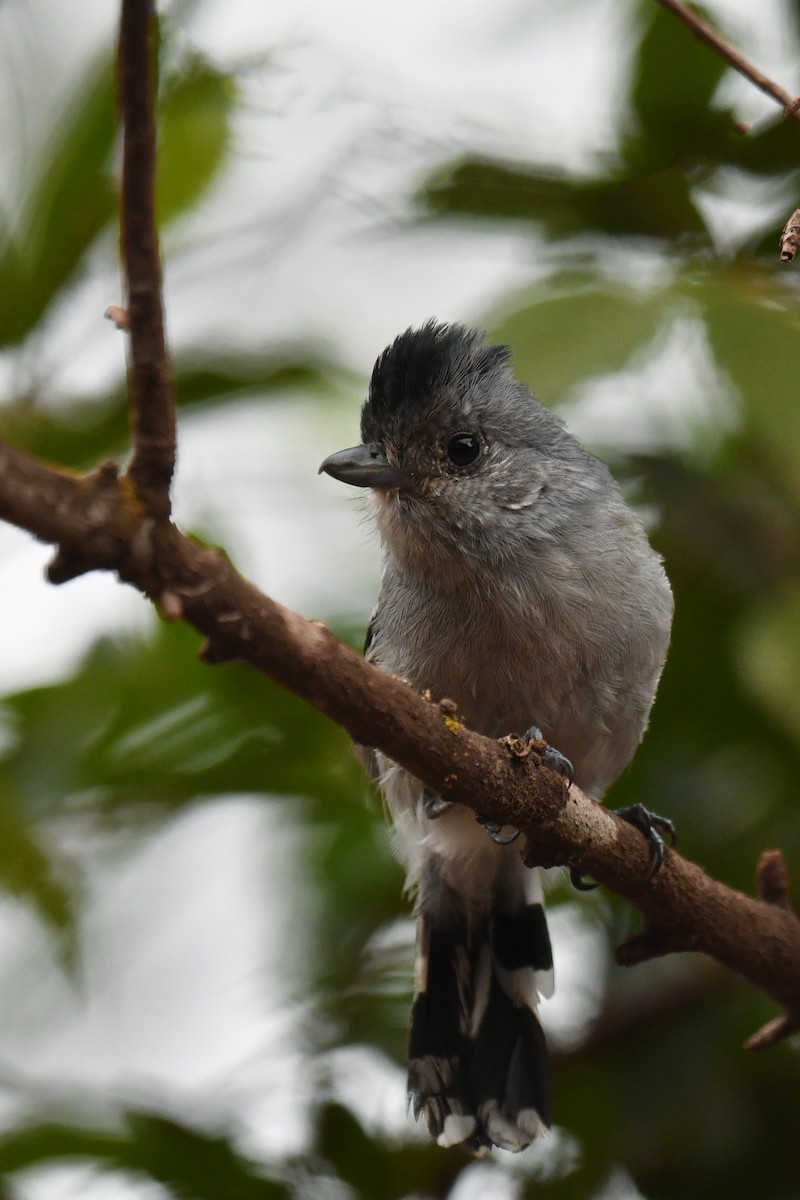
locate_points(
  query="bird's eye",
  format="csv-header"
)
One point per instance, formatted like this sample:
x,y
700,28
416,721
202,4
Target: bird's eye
x,y
463,449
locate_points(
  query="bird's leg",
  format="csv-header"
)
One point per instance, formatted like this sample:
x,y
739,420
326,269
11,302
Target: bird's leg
x,y
654,828
580,882
433,805
553,758
495,831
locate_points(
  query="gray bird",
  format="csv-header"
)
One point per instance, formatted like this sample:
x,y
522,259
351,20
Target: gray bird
x,y
518,583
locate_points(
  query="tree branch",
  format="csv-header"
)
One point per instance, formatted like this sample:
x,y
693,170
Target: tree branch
x,y
150,380
706,33
790,235
684,908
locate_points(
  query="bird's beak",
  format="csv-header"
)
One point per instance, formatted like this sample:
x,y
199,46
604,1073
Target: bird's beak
x,y
365,466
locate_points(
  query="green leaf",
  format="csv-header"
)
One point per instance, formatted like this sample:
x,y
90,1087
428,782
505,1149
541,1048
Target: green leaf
x,y
769,150
191,1164
768,651
144,728
359,1161
650,192
675,78
565,336
195,1164
377,1170
79,433
72,195
30,870
70,199
145,721
754,328
194,127
655,205
36,1145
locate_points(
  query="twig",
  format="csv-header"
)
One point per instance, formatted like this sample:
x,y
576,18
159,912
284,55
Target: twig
x,y
773,1032
119,316
790,237
151,390
772,878
706,33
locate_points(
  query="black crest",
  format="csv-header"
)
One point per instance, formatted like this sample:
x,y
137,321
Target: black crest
x,y
422,364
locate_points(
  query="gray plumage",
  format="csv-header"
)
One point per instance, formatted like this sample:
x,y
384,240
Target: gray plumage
x,y
518,583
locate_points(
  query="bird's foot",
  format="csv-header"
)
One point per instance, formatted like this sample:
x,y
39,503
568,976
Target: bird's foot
x,y
655,830
552,757
433,805
495,831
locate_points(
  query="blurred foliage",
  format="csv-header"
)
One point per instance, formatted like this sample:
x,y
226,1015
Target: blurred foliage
x,y
189,1164
676,141
70,197
67,202
143,730
79,433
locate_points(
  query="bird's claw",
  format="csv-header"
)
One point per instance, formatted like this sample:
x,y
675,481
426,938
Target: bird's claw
x,y
433,805
552,757
495,831
580,882
655,830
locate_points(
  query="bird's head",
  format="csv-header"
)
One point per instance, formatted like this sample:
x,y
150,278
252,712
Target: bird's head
x,y
455,450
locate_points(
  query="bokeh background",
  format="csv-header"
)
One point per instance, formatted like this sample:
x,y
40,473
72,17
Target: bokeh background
x,y
205,958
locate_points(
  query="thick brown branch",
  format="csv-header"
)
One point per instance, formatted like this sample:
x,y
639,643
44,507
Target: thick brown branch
x,y
757,939
85,516
152,403
706,33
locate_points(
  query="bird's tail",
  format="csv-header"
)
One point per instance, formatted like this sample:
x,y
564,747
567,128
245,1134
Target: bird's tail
x,y
478,1070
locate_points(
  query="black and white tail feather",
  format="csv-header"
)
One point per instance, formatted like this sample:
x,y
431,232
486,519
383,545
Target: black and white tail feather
x,y
478,1071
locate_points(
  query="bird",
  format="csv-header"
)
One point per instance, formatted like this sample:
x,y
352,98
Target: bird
x,y
519,583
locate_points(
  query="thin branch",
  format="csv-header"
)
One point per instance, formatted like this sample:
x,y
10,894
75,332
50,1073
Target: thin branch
x,y
151,388
503,780
774,1031
790,237
772,877
706,33
119,316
